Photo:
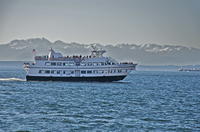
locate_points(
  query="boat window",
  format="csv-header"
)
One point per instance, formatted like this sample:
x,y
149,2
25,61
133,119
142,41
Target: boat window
x,y
77,63
89,72
65,64
83,64
89,64
83,72
106,71
101,71
47,63
47,71
72,72
53,71
41,71
58,72
113,70
67,72
119,70
95,64
59,64
95,71
53,63
102,63
71,63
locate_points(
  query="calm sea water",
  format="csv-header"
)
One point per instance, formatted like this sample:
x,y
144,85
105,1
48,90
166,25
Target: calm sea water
x,y
144,101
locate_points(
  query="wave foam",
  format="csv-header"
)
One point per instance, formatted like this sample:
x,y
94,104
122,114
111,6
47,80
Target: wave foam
x,y
11,79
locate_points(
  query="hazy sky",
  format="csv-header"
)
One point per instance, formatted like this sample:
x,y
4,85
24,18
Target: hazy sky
x,y
102,21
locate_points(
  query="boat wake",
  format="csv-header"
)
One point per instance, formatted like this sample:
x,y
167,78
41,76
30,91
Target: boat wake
x,y
12,79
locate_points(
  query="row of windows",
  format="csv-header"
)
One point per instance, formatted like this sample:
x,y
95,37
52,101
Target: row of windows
x,y
59,64
82,71
82,64
96,63
56,72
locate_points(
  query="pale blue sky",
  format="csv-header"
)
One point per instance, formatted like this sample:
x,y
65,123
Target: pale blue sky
x,y
102,21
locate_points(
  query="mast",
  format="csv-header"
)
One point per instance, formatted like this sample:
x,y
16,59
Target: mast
x,y
97,52
34,54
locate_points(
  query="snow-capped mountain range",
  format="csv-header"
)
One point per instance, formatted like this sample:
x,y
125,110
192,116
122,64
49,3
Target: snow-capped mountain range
x,y
146,54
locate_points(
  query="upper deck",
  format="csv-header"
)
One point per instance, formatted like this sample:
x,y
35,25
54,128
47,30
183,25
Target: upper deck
x,y
96,59
64,58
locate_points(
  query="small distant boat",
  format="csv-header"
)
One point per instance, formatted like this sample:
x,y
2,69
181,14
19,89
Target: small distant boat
x,y
95,67
189,69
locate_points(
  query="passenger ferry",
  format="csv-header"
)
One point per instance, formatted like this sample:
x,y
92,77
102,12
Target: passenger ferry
x,y
95,67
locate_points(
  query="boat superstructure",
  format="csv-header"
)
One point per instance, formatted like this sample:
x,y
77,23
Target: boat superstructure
x,y
95,67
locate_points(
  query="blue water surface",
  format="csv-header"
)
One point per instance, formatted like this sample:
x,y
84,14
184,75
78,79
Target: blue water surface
x,y
144,101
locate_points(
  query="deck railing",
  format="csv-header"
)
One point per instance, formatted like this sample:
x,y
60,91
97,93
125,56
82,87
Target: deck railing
x,y
62,58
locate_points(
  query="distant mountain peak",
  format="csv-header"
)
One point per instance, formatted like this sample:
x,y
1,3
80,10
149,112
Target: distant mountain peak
x,y
151,54
59,42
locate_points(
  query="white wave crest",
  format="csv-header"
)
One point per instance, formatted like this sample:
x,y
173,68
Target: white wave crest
x,y
12,79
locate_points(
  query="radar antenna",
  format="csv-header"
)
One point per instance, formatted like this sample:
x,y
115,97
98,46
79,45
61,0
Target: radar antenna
x,y
96,52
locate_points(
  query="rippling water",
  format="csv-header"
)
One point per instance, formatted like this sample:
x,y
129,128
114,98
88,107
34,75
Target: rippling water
x,y
144,101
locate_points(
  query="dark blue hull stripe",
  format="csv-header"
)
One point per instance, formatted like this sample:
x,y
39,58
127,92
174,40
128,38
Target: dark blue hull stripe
x,y
76,79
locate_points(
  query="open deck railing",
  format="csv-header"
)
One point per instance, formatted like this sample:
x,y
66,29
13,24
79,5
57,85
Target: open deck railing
x,y
62,58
